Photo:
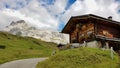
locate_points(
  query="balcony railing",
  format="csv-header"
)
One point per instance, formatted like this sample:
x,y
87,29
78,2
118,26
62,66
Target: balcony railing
x,y
107,38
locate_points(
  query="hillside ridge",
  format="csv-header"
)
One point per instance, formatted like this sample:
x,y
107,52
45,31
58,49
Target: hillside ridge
x,y
24,29
13,47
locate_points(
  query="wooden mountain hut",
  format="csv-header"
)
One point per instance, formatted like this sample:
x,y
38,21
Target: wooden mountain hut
x,y
94,30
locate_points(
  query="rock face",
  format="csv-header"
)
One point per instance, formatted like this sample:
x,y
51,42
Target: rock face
x,y
23,29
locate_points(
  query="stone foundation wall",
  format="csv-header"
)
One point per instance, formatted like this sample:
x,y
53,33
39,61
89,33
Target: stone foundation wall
x,y
94,44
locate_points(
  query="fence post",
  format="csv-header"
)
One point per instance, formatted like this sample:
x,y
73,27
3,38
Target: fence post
x,y
111,53
85,43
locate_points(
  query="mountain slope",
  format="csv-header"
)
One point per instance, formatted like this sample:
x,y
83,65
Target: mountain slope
x,y
81,58
23,47
22,28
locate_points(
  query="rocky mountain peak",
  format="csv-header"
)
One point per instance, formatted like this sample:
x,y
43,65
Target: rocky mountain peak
x,y
13,23
22,28
20,21
17,22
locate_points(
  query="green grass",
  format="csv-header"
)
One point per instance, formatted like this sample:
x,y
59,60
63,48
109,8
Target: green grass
x,y
81,58
23,47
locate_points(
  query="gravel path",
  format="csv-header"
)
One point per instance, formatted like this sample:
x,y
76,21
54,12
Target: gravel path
x,y
24,63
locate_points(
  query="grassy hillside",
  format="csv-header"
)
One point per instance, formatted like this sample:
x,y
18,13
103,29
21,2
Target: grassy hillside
x,y
81,58
23,47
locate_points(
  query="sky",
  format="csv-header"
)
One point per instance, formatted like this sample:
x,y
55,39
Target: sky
x,y
54,14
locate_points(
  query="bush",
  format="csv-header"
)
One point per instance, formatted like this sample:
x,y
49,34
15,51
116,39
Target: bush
x,y
2,46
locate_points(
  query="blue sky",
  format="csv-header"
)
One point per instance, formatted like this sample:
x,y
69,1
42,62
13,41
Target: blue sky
x,y
54,14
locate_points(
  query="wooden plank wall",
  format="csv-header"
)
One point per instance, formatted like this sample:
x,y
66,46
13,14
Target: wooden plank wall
x,y
80,35
105,30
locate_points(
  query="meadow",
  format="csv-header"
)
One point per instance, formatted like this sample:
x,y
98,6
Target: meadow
x,y
17,47
81,58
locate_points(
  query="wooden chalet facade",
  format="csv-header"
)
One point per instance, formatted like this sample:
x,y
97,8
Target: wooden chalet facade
x,y
104,31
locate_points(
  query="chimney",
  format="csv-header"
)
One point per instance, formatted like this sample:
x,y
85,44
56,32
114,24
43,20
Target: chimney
x,y
110,17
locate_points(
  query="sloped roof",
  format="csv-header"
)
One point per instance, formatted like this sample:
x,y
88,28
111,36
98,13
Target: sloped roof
x,y
85,17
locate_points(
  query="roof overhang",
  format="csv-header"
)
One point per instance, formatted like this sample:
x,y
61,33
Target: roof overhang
x,y
70,23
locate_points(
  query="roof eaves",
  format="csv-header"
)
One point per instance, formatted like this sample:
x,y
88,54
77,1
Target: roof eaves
x,y
66,25
98,17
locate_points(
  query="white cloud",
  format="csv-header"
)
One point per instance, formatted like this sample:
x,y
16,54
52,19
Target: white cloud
x,y
39,16
58,7
5,19
44,16
102,8
75,9
13,4
33,13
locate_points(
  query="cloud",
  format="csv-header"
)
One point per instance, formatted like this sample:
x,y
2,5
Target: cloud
x,y
56,7
33,13
54,14
102,8
39,16
14,4
5,19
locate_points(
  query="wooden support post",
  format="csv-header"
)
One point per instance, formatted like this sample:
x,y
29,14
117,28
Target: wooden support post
x,y
70,38
107,45
99,44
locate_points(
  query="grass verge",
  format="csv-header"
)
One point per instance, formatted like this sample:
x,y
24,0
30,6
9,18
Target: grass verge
x,y
81,58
